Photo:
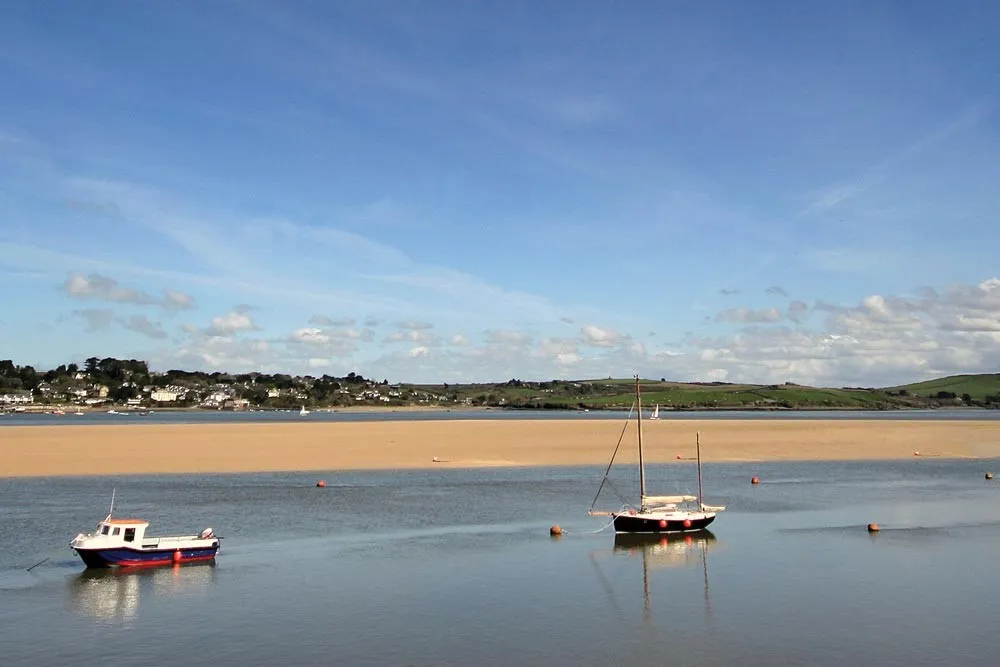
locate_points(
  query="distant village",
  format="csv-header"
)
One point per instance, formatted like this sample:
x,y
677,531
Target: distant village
x,y
102,383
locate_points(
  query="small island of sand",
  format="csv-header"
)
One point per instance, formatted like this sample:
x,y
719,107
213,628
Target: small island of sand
x,y
209,448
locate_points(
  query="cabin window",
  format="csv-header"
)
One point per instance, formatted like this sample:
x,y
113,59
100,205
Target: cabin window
x,y
129,534
105,529
115,531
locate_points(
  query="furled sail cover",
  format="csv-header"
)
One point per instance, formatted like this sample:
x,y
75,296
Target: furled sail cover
x,y
667,500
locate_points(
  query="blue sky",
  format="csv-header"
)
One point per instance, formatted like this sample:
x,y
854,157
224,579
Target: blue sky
x,y
443,191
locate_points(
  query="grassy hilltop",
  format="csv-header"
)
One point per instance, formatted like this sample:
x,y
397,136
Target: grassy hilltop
x,y
955,391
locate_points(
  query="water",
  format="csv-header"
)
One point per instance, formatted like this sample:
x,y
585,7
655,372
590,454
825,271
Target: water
x,y
455,567
384,414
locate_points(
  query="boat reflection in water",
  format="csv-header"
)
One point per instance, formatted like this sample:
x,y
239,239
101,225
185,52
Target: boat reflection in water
x,y
110,594
668,551
660,550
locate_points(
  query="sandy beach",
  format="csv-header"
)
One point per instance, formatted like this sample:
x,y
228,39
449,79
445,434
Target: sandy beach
x,y
200,448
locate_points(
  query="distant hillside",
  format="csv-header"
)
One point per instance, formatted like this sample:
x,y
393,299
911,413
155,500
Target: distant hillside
x,y
109,381
611,393
978,387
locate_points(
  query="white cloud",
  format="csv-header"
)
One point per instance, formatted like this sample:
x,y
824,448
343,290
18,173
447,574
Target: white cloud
x,y
414,326
102,288
880,340
310,336
507,337
599,337
177,300
749,316
323,320
411,336
797,311
234,321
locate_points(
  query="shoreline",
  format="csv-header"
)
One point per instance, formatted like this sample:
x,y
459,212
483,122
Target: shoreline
x,y
48,408
71,450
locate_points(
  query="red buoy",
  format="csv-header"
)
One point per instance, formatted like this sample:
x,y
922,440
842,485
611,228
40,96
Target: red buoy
x,y
755,480
321,483
687,523
663,523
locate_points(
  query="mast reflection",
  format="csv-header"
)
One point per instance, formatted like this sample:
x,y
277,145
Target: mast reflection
x,y
662,551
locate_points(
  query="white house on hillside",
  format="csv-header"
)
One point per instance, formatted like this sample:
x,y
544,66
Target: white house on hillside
x,y
165,395
16,398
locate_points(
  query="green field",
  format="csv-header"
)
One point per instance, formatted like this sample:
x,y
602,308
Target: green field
x,y
979,387
611,393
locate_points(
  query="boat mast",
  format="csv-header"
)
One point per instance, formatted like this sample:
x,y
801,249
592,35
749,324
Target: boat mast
x,y
697,445
638,425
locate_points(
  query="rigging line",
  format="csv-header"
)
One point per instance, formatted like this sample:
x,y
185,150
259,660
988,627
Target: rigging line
x,y
613,455
622,498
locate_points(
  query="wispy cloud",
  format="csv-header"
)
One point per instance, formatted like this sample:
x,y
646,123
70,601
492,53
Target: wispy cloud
x,y
749,316
95,319
103,288
832,196
143,325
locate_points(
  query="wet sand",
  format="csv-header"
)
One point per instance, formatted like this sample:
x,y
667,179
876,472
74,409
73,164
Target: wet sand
x,y
201,448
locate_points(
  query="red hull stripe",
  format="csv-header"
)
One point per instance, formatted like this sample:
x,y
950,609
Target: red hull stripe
x,y
163,561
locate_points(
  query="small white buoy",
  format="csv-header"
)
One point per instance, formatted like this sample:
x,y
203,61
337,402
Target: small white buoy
x,y
989,475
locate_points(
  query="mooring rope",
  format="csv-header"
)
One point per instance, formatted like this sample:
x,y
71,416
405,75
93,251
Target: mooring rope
x,y
592,532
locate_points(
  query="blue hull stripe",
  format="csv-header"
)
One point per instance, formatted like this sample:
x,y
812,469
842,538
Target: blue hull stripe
x,y
135,557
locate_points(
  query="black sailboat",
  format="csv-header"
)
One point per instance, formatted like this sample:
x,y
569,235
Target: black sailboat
x,y
657,514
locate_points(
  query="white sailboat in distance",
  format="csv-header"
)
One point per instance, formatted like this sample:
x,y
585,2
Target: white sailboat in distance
x,y
303,412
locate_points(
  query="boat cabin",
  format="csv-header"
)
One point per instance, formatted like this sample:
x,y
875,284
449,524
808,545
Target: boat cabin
x,y
121,531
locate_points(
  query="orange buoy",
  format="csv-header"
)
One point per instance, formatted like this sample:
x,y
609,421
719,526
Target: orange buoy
x,y
321,483
755,480
555,530
678,456
873,528
687,523
176,558
916,453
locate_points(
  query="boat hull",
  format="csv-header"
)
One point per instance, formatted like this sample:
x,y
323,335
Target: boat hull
x,y
127,557
640,523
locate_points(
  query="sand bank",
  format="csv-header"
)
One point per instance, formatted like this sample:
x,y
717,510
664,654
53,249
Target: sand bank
x,y
198,448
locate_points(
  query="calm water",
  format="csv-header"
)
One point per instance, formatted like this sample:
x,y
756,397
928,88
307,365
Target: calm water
x,y
284,416
453,567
